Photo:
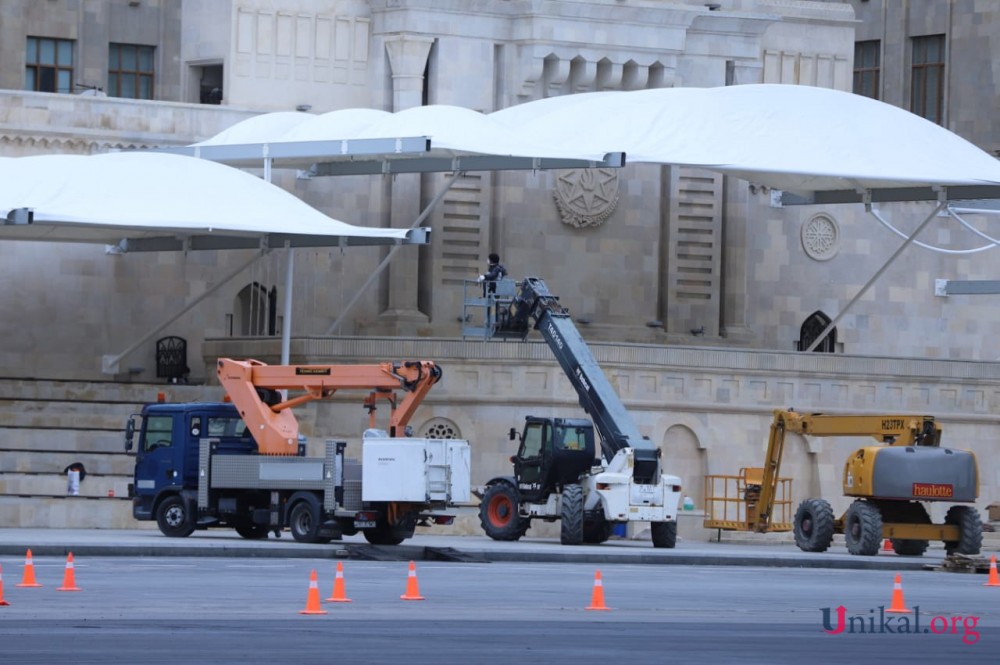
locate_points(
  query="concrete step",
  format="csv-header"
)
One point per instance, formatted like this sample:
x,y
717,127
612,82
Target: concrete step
x,y
46,441
26,461
69,513
56,485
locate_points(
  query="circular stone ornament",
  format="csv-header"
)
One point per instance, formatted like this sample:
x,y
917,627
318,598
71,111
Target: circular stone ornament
x,y
821,237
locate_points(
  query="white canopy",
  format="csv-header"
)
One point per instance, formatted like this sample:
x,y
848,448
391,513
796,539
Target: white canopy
x,y
797,138
143,201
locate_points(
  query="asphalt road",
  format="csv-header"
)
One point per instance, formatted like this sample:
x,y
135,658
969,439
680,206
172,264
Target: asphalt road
x,y
236,610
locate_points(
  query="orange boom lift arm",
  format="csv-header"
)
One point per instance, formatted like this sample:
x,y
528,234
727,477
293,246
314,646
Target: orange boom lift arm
x,y
253,387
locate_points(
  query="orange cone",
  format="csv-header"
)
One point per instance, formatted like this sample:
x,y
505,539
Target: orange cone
x,y
887,546
412,587
69,578
339,596
3,603
994,578
597,598
898,606
312,600
28,579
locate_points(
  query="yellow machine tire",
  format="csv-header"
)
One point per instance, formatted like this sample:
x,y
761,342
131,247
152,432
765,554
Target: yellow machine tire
x,y
863,528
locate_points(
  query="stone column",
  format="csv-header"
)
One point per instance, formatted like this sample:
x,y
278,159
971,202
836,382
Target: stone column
x,y
407,62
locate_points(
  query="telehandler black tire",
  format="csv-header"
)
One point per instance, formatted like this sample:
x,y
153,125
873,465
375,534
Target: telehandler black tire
x,y
863,528
498,513
814,525
571,515
664,534
970,525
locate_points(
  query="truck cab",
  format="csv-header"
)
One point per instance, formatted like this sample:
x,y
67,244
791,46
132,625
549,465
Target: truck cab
x,y
167,448
553,452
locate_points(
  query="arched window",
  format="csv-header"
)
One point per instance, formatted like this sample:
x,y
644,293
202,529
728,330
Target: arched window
x,y
255,311
812,328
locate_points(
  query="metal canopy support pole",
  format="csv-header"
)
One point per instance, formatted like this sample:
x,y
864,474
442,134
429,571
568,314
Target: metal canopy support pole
x,y
110,363
388,257
286,321
942,204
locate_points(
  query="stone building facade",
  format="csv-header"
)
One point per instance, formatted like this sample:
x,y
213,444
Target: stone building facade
x,y
662,263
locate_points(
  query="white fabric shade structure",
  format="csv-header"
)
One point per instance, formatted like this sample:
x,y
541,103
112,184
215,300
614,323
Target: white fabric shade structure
x,y
825,145
145,201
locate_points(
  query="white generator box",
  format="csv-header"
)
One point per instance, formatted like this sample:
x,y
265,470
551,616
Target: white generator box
x,y
416,470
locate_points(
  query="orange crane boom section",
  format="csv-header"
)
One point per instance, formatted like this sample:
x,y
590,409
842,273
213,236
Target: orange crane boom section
x,y
253,387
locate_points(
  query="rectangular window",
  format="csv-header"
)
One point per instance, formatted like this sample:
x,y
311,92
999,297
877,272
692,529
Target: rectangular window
x,y
48,65
130,71
867,64
927,78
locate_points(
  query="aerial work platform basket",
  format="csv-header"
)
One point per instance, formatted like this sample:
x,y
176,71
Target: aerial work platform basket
x,y
484,309
732,503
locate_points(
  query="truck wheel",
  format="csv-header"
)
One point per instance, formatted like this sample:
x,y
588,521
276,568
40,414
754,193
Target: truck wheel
x,y
970,526
571,515
303,522
252,531
498,513
173,518
814,525
383,534
863,528
664,534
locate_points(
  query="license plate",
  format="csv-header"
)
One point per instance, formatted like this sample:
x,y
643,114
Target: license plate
x,y
647,490
364,524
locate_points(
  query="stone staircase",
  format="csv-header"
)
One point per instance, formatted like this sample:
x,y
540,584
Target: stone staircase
x,y
47,425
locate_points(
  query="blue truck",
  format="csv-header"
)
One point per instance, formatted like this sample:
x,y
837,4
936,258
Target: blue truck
x,y
242,464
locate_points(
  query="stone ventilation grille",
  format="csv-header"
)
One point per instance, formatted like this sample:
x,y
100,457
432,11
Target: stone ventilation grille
x,y
462,229
695,219
440,428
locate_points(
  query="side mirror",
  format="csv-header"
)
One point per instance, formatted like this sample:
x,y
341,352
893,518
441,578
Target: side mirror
x,y
512,434
129,434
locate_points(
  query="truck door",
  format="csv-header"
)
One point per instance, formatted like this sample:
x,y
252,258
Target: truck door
x,y
156,456
531,463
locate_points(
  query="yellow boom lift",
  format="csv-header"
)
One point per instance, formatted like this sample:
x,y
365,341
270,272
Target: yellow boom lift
x,y
890,484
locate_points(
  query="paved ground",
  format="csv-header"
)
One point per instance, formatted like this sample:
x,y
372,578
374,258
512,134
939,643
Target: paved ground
x,y
150,543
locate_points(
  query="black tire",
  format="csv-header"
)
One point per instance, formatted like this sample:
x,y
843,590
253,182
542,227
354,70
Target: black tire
x,y
664,534
863,528
303,522
909,513
174,518
383,534
498,513
970,526
597,531
252,531
814,525
571,516
909,546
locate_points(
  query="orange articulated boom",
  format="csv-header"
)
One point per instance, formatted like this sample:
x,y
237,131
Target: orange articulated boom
x,y
251,384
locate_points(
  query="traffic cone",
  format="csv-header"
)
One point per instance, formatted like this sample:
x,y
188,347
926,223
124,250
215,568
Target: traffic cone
x,y
994,578
339,596
3,603
28,579
412,587
898,606
887,546
597,597
69,578
312,600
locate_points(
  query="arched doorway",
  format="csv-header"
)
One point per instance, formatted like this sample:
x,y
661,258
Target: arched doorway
x,y
812,328
255,311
